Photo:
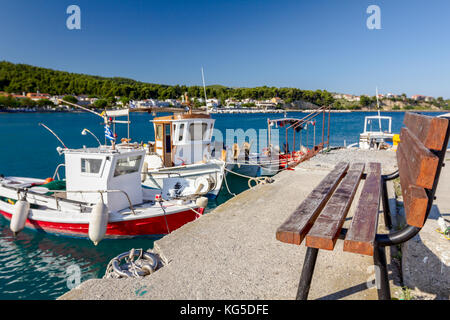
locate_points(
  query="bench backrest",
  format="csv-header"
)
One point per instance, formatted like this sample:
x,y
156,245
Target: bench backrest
x,y
421,152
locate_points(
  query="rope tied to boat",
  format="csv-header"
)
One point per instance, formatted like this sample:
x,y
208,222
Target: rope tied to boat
x,y
251,180
135,263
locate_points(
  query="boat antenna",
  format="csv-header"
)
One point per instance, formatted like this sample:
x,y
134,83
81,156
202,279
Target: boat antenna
x,y
41,124
378,108
204,89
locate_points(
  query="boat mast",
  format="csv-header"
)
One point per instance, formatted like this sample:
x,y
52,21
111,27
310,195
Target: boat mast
x,y
204,89
378,108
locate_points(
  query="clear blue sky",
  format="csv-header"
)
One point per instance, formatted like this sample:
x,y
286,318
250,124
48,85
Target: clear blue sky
x,y
313,44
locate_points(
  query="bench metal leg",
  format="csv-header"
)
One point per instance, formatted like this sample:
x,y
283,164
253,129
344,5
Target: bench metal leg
x,y
307,273
385,200
381,273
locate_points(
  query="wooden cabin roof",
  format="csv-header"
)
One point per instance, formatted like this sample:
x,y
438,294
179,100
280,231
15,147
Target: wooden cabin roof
x,y
183,116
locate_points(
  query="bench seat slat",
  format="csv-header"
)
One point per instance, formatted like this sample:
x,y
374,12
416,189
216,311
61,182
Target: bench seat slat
x,y
361,235
415,199
430,131
422,163
326,229
294,229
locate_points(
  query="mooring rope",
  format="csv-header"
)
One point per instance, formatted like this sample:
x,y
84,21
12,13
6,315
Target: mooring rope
x,y
145,264
258,180
226,184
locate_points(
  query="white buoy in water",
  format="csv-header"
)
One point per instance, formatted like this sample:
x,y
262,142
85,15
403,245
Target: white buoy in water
x,y
98,222
201,202
20,215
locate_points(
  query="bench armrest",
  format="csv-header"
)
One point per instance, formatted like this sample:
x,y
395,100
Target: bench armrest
x,y
391,176
397,237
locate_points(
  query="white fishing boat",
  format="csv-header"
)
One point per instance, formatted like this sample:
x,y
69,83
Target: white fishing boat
x,y
182,159
101,197
242,161
373,136
272,158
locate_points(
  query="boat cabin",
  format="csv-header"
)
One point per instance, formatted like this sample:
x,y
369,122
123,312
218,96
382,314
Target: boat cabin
x,y
117,171
374,137
182,138
376,121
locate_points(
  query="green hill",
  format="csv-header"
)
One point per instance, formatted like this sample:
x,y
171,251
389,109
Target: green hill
x,y
17,78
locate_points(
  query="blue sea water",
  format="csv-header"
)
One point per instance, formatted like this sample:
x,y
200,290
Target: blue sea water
x,y
35,265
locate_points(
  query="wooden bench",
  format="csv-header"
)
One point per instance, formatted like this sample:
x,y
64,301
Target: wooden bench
x,y
320,217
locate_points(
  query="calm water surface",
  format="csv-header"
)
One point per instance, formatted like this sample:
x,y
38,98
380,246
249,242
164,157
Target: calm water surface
x,y
34,265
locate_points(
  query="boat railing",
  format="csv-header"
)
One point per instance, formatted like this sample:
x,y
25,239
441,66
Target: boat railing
x,y
56,174
101,192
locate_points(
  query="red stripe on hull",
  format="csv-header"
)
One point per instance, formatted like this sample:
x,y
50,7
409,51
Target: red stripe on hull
x,y
130,228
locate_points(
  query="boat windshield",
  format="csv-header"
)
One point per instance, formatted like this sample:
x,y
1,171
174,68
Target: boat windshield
x,y
91,165
127,165
373,124
197,131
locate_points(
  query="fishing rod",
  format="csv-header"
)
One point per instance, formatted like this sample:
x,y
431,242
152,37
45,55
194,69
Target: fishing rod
x,y
83,108
41,124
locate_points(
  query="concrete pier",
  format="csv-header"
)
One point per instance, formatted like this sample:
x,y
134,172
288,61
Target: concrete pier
x,y
232,253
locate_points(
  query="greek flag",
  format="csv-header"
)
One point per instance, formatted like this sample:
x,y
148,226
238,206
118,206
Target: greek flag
x,y
132,105
108,134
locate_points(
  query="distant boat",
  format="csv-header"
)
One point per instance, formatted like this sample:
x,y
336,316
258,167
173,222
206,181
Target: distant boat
x,y
271,160
376,139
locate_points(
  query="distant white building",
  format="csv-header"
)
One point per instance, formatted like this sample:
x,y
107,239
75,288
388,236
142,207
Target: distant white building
x,y
277,100
212,103
265,104
173,102
149,103
418,97
248,100
348,97
232,103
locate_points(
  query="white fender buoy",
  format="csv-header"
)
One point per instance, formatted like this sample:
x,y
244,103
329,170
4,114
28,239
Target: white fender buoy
x,y
19,217
201,202
144,171
98,222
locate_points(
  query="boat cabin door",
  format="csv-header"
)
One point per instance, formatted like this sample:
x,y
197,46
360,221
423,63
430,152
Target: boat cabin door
x,y
163,142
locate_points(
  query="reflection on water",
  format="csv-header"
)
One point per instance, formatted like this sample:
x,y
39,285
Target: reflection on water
x,y
34,265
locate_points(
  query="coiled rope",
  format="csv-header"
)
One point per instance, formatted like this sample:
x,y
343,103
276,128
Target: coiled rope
x,y
132,264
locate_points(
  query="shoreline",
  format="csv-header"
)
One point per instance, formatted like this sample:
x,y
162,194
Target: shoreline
x,y
233,112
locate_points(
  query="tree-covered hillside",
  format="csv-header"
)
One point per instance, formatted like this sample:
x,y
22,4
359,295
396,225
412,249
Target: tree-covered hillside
x,y
17,78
